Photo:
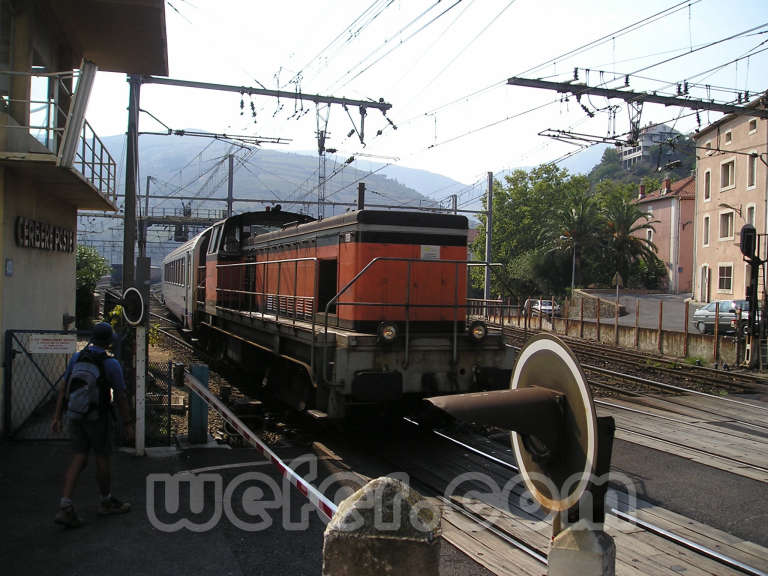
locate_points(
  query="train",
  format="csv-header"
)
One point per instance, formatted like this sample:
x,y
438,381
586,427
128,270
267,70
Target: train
x,y
362,309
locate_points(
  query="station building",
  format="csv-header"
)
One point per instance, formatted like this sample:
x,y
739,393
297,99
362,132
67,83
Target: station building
x,y
51,162
731,190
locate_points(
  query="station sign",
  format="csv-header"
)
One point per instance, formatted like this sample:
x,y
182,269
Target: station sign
x,y
43,236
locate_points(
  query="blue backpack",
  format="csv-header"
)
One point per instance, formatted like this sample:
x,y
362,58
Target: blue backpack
x,y
87,390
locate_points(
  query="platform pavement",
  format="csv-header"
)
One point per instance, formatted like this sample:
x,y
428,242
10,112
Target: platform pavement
x,y
30,543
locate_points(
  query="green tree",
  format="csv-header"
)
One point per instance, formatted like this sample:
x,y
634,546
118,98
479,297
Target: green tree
x,y
609,167
624,219
651,184
577,224
523,210
89,268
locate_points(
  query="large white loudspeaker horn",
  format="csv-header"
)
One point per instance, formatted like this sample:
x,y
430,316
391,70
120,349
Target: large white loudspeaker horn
x,y
557,480
550,411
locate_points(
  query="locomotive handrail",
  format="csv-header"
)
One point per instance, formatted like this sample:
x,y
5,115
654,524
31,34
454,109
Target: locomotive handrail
x,y
406,305
335,300
265,295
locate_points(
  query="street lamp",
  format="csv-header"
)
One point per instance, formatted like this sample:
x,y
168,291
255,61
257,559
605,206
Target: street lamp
x,y
573,260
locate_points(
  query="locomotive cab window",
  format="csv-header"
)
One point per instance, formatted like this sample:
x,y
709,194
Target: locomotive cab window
x,y
230,244
214,244
327,287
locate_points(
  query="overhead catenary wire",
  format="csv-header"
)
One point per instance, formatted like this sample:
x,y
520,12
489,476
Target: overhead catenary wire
x,y
396,46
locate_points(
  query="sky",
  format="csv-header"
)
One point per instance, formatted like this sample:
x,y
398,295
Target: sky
x,y
443,65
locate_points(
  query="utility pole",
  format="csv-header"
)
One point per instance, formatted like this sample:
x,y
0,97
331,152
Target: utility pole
x,y
144,223
361,196
321,174
131,177
488,237
230,184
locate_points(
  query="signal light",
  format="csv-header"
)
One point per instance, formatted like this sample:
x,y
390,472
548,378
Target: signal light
x,y
748,241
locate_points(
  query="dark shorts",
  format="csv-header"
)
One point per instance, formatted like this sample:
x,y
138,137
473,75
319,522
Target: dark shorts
x,y
90,435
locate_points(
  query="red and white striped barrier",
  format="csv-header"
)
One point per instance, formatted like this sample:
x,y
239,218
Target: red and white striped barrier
x,y
320,502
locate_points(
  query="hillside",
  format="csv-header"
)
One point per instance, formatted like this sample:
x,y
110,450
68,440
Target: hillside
x,y
197,167
675,162
267,174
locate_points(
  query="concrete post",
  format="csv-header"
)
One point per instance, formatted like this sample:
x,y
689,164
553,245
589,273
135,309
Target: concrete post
x,y
579,550
383,528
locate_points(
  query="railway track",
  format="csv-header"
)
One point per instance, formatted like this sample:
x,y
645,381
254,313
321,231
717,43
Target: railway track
x,y
432,484
626,516
630,362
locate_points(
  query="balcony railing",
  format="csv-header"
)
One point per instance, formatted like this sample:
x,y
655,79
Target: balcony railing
x,y
35,125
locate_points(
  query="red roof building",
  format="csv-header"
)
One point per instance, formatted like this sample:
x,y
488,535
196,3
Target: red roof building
x,y
672,210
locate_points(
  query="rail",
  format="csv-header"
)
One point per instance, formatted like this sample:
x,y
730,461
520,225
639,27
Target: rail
x,y
36,125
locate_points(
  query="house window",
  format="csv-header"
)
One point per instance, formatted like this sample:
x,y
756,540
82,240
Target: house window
x,y
752,171
725,277
728,137
708,146
707,185
750,216
753,126
727,175
649,235
726,226
706,231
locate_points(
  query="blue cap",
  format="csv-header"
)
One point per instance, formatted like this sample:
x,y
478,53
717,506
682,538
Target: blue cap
x,y
102,334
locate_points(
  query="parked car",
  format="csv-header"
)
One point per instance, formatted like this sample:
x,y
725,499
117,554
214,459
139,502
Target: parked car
x,y
704,317
541,307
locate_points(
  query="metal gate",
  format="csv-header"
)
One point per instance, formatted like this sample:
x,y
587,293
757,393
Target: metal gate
x,y
35,362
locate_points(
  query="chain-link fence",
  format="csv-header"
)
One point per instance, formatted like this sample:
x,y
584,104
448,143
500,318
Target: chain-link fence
x,y
36,361
159,405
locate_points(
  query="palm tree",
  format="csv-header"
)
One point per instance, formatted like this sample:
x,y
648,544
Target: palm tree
x,y
576,225
624,219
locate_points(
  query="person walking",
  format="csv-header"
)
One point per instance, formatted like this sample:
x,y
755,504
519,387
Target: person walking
x,y
91,379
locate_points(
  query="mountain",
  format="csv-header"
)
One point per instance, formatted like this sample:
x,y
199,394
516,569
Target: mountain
x,y
584,161
198,167
189,170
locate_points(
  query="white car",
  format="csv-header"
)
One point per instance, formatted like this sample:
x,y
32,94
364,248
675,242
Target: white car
x,y
542,307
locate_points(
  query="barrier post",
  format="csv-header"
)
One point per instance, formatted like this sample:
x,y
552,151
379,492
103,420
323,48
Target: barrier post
x,y
597,316
661,325
637,322
716,334
581,317
386,527
685,331
552,315
541,314
197,417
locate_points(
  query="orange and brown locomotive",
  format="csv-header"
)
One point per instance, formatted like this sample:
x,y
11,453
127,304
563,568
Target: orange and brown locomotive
x,y
362,308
